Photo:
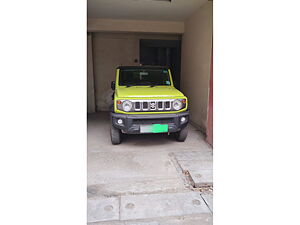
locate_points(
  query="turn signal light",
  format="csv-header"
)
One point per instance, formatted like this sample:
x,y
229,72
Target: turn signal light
x,y
119,102
183,101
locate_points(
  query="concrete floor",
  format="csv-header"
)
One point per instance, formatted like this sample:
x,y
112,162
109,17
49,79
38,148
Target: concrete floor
x,y
142,168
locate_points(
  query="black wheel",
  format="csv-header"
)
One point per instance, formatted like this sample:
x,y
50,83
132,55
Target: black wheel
x,y
181,135
115,135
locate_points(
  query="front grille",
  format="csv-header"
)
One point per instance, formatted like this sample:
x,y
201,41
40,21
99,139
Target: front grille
x,y
152,105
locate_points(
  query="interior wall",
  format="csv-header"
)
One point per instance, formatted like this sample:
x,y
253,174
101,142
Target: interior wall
x,y
111,50
90,77
195,64
121,25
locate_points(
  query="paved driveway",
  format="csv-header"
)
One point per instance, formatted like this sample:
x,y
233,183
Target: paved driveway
x,y
147,179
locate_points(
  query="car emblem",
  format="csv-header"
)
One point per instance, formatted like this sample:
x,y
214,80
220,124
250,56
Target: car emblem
x,y
152,105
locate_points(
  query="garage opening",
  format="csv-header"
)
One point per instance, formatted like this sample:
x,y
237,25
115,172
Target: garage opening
x,y
176,34
110,50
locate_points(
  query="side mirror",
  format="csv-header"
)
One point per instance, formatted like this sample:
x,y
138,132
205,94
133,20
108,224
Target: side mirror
x,y
113,85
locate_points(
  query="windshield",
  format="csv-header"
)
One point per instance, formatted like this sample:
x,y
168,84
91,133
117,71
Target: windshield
x,y
138,77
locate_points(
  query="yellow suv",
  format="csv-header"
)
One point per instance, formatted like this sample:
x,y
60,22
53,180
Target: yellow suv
x,y
146,101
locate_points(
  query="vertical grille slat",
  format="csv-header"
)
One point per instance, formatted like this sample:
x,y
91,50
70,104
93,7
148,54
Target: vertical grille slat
x,y
145,106
167,105
137,106
160,105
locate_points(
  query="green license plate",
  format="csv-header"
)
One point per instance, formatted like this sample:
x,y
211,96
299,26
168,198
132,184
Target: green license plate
x,y
154,128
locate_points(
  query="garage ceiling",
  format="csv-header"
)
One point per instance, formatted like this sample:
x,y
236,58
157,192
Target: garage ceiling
x,y
176,10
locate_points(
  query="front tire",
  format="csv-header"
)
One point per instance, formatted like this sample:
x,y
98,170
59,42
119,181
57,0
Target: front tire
x,y
181,135
115,135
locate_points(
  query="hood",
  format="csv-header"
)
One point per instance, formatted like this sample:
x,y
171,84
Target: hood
x,y
147,91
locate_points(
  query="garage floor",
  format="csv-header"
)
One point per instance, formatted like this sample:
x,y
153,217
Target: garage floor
x,y
147,179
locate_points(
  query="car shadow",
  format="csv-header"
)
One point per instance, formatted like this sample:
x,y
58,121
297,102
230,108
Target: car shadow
x,y
148,139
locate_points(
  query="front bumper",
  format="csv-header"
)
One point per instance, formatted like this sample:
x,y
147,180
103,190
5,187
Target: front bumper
x,y
132,122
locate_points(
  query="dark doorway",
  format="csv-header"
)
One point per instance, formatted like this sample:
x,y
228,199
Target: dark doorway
x,y
162,53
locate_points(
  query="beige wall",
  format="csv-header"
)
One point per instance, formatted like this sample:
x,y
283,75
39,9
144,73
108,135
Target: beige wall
x,y
110,51
113,25
90,77
195,65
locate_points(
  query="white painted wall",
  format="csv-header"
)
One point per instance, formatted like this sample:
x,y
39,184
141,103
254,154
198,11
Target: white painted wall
x,y
145,26
178,10
196,60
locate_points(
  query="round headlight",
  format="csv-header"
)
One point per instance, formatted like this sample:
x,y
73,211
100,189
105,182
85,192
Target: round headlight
x,y
127,106
177,105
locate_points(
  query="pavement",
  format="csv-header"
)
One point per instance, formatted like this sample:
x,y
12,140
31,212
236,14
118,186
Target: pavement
x,y
149,179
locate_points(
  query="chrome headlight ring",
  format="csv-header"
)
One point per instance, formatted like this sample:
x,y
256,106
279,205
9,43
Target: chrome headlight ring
x,y
127,105
177,104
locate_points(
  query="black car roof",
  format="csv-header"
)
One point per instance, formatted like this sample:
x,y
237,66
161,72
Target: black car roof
x,y
142,67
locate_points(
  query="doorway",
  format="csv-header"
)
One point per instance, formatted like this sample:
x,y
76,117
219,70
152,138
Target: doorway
x,y
162,53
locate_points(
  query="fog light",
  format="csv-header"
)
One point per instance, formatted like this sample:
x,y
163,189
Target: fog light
x,y
120,121
182,119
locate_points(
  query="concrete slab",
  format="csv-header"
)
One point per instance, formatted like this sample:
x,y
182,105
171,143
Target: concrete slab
x,y
208,198
108,223
142,223
115,173
202,178
201,219
193,155
196,165
127,223
136,185
103,209
161,205
199,166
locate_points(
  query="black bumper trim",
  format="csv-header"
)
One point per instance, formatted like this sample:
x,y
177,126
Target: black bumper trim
x,y
131,122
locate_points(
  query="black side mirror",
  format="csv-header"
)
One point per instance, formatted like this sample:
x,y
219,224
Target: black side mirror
x,y
113,85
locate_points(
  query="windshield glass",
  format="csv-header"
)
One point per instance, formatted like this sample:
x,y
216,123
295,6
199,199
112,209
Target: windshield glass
x,y
138,77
